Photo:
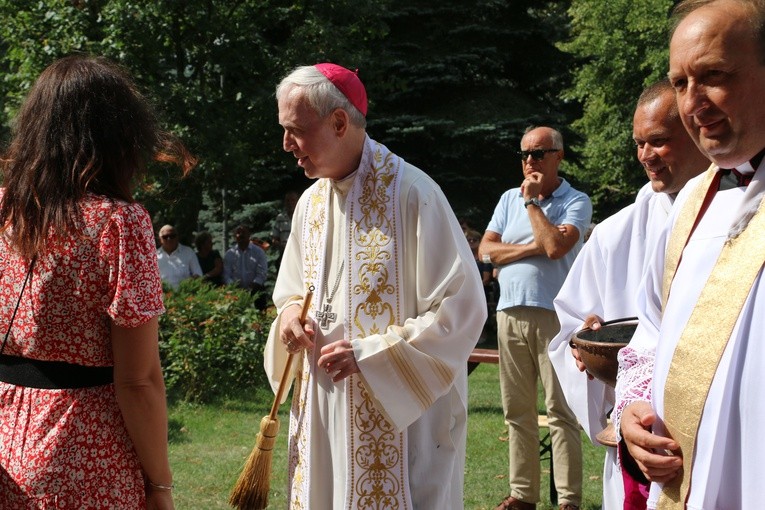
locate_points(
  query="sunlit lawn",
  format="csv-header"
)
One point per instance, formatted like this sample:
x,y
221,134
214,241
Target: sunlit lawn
x,y
209,444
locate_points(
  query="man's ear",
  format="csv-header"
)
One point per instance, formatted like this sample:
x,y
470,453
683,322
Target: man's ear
x,y
340,122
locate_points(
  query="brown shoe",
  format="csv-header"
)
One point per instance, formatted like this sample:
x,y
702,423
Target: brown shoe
x,y
511,503
568,506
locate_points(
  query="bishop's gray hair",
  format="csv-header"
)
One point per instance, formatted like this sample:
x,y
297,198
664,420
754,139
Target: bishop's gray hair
x,y
319,92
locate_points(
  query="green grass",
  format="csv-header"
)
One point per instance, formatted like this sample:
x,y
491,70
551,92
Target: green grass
x,y
486,482
210,443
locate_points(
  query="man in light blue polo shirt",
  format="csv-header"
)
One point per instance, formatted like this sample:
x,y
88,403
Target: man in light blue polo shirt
x,y
533,238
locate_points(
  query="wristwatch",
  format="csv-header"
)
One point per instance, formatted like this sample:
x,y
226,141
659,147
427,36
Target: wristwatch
x,y
532,201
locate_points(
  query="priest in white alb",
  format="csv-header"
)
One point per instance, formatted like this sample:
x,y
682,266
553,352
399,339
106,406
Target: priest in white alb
x,y
379,408
690,404
604,280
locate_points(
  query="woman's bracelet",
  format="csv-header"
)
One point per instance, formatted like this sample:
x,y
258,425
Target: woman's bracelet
x,y
161,487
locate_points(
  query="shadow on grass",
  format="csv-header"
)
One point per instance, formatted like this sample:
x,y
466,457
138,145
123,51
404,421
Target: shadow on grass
x,y
486,409
176,433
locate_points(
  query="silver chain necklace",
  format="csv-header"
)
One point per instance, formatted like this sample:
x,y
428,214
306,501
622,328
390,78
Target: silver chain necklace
x,y
326,316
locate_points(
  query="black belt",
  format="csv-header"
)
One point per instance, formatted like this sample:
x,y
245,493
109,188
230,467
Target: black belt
x,y
33,373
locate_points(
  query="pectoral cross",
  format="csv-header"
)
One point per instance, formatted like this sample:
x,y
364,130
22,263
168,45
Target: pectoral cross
x,y
326,316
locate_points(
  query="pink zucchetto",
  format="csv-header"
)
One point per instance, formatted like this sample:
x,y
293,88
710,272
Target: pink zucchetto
x,y
348,83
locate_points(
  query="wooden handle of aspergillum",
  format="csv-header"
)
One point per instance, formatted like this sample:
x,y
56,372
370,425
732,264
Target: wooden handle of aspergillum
x,y
285,375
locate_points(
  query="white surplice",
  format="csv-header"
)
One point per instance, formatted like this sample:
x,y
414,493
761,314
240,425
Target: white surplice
x,y
726,470
444,307
604,281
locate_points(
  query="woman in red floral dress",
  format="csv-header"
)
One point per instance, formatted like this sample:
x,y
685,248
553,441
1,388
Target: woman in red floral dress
x,y
83,418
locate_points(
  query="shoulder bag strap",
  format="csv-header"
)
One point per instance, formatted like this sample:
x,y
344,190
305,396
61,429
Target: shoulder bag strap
x,y
18,301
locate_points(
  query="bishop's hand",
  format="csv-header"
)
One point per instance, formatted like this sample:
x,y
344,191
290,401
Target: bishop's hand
x,y
294,335
338,360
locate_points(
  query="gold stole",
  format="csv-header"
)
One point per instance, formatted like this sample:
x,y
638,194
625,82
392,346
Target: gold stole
x,y
377,453
314,237
700,348
682,230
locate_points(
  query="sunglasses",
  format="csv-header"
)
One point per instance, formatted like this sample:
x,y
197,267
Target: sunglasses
x,y
168,236
536,154
472,239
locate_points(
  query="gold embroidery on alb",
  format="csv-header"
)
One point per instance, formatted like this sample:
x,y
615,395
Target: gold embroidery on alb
x,y
377,453
299,430
378,461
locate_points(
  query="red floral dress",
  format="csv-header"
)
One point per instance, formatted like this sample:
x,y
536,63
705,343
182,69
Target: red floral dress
x,y
69,448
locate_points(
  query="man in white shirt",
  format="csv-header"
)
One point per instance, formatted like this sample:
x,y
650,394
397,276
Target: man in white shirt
x,y
176,261
604,280
689,400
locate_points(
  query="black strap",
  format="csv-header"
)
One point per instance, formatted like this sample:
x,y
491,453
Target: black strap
x,y
18,301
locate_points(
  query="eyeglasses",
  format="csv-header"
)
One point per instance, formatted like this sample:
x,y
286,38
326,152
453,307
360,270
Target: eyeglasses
x,y
536,154
168,236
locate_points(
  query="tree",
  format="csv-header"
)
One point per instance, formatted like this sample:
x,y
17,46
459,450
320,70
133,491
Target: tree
x,y
451,86
32,34
210,66
622,46
457,84
218,64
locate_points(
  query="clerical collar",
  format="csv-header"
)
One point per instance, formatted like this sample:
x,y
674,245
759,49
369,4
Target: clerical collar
x,y
749,167
733,178
757,159
742,174
342,186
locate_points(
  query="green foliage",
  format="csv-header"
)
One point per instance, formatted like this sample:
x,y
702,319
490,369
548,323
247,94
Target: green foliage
x,y
452,85
211,341
210,67
455,85
32,35
622,46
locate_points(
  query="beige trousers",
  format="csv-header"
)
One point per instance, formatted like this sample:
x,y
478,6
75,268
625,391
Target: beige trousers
x,y
523,334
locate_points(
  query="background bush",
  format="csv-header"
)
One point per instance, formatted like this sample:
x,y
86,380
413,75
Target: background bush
x,y
211,341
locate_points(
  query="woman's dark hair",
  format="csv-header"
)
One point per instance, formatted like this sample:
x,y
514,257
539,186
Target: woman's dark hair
x,y
83,128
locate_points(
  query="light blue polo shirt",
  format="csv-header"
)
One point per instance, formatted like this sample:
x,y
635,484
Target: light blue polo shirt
x,y
535,281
